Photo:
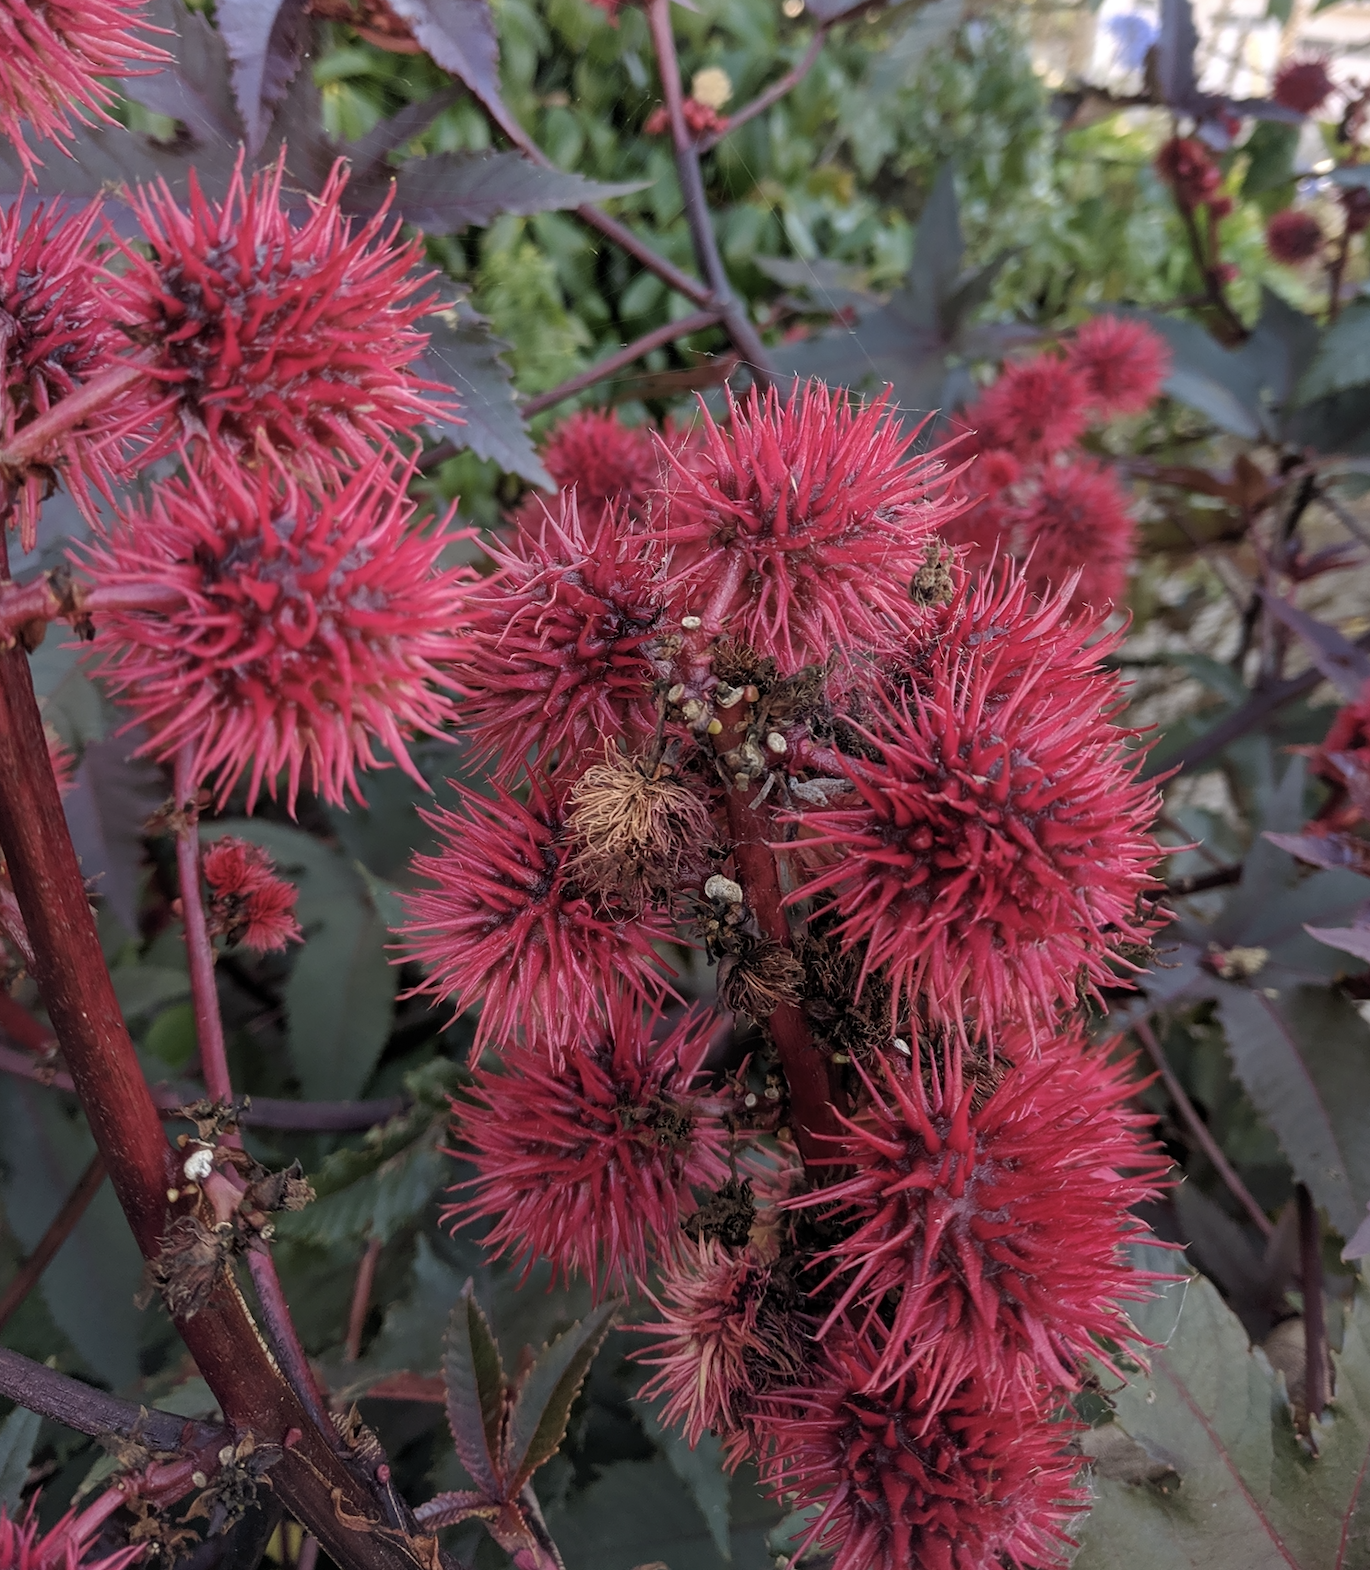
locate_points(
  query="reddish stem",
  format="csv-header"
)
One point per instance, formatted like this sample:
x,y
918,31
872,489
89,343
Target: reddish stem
x,y
63,1224
204,989
51,597
70,970
816,1095
78,1406
361,1299
285,1339
1202,1137
735,318
658,338
209,1030
319,1117
31,441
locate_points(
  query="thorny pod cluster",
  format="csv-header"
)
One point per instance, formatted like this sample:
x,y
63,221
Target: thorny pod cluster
x,y
736,691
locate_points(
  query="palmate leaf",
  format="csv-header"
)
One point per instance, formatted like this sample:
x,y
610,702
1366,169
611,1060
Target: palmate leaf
x,y
1237,1491
909,341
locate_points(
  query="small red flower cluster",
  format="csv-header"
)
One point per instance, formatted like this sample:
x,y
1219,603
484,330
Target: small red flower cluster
x,y
700,120
1037,498
248,903
1187,167
771,661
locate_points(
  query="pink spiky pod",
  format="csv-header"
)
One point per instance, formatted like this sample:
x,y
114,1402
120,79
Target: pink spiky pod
x,y
733,1329
563,651
1076,526
1123,363
64,1547
610,467
987,1214
929,1471
980,532
504,923
799,526
316,624
59,338
248,903
588,1143
261,328
52,58
1036,408
993,856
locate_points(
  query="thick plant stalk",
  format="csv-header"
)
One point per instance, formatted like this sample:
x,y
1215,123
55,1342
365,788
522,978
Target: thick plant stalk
x,y
815,1090
78,1406
71,974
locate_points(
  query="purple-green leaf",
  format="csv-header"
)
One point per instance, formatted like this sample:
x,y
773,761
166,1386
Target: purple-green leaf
x,y
1350,940
474,1376
542,1408
459,35
265,41
1343,664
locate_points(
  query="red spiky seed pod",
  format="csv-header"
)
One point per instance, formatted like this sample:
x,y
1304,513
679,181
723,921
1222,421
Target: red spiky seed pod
x,y
260,327
1077,527
505,922
1037,408
561,655
928,1472
987,1215
732,1330
58,339
994,857
801,524
248,903
1303,85
1293,237
1123,364
316,624
609,465
587,1144
53,55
